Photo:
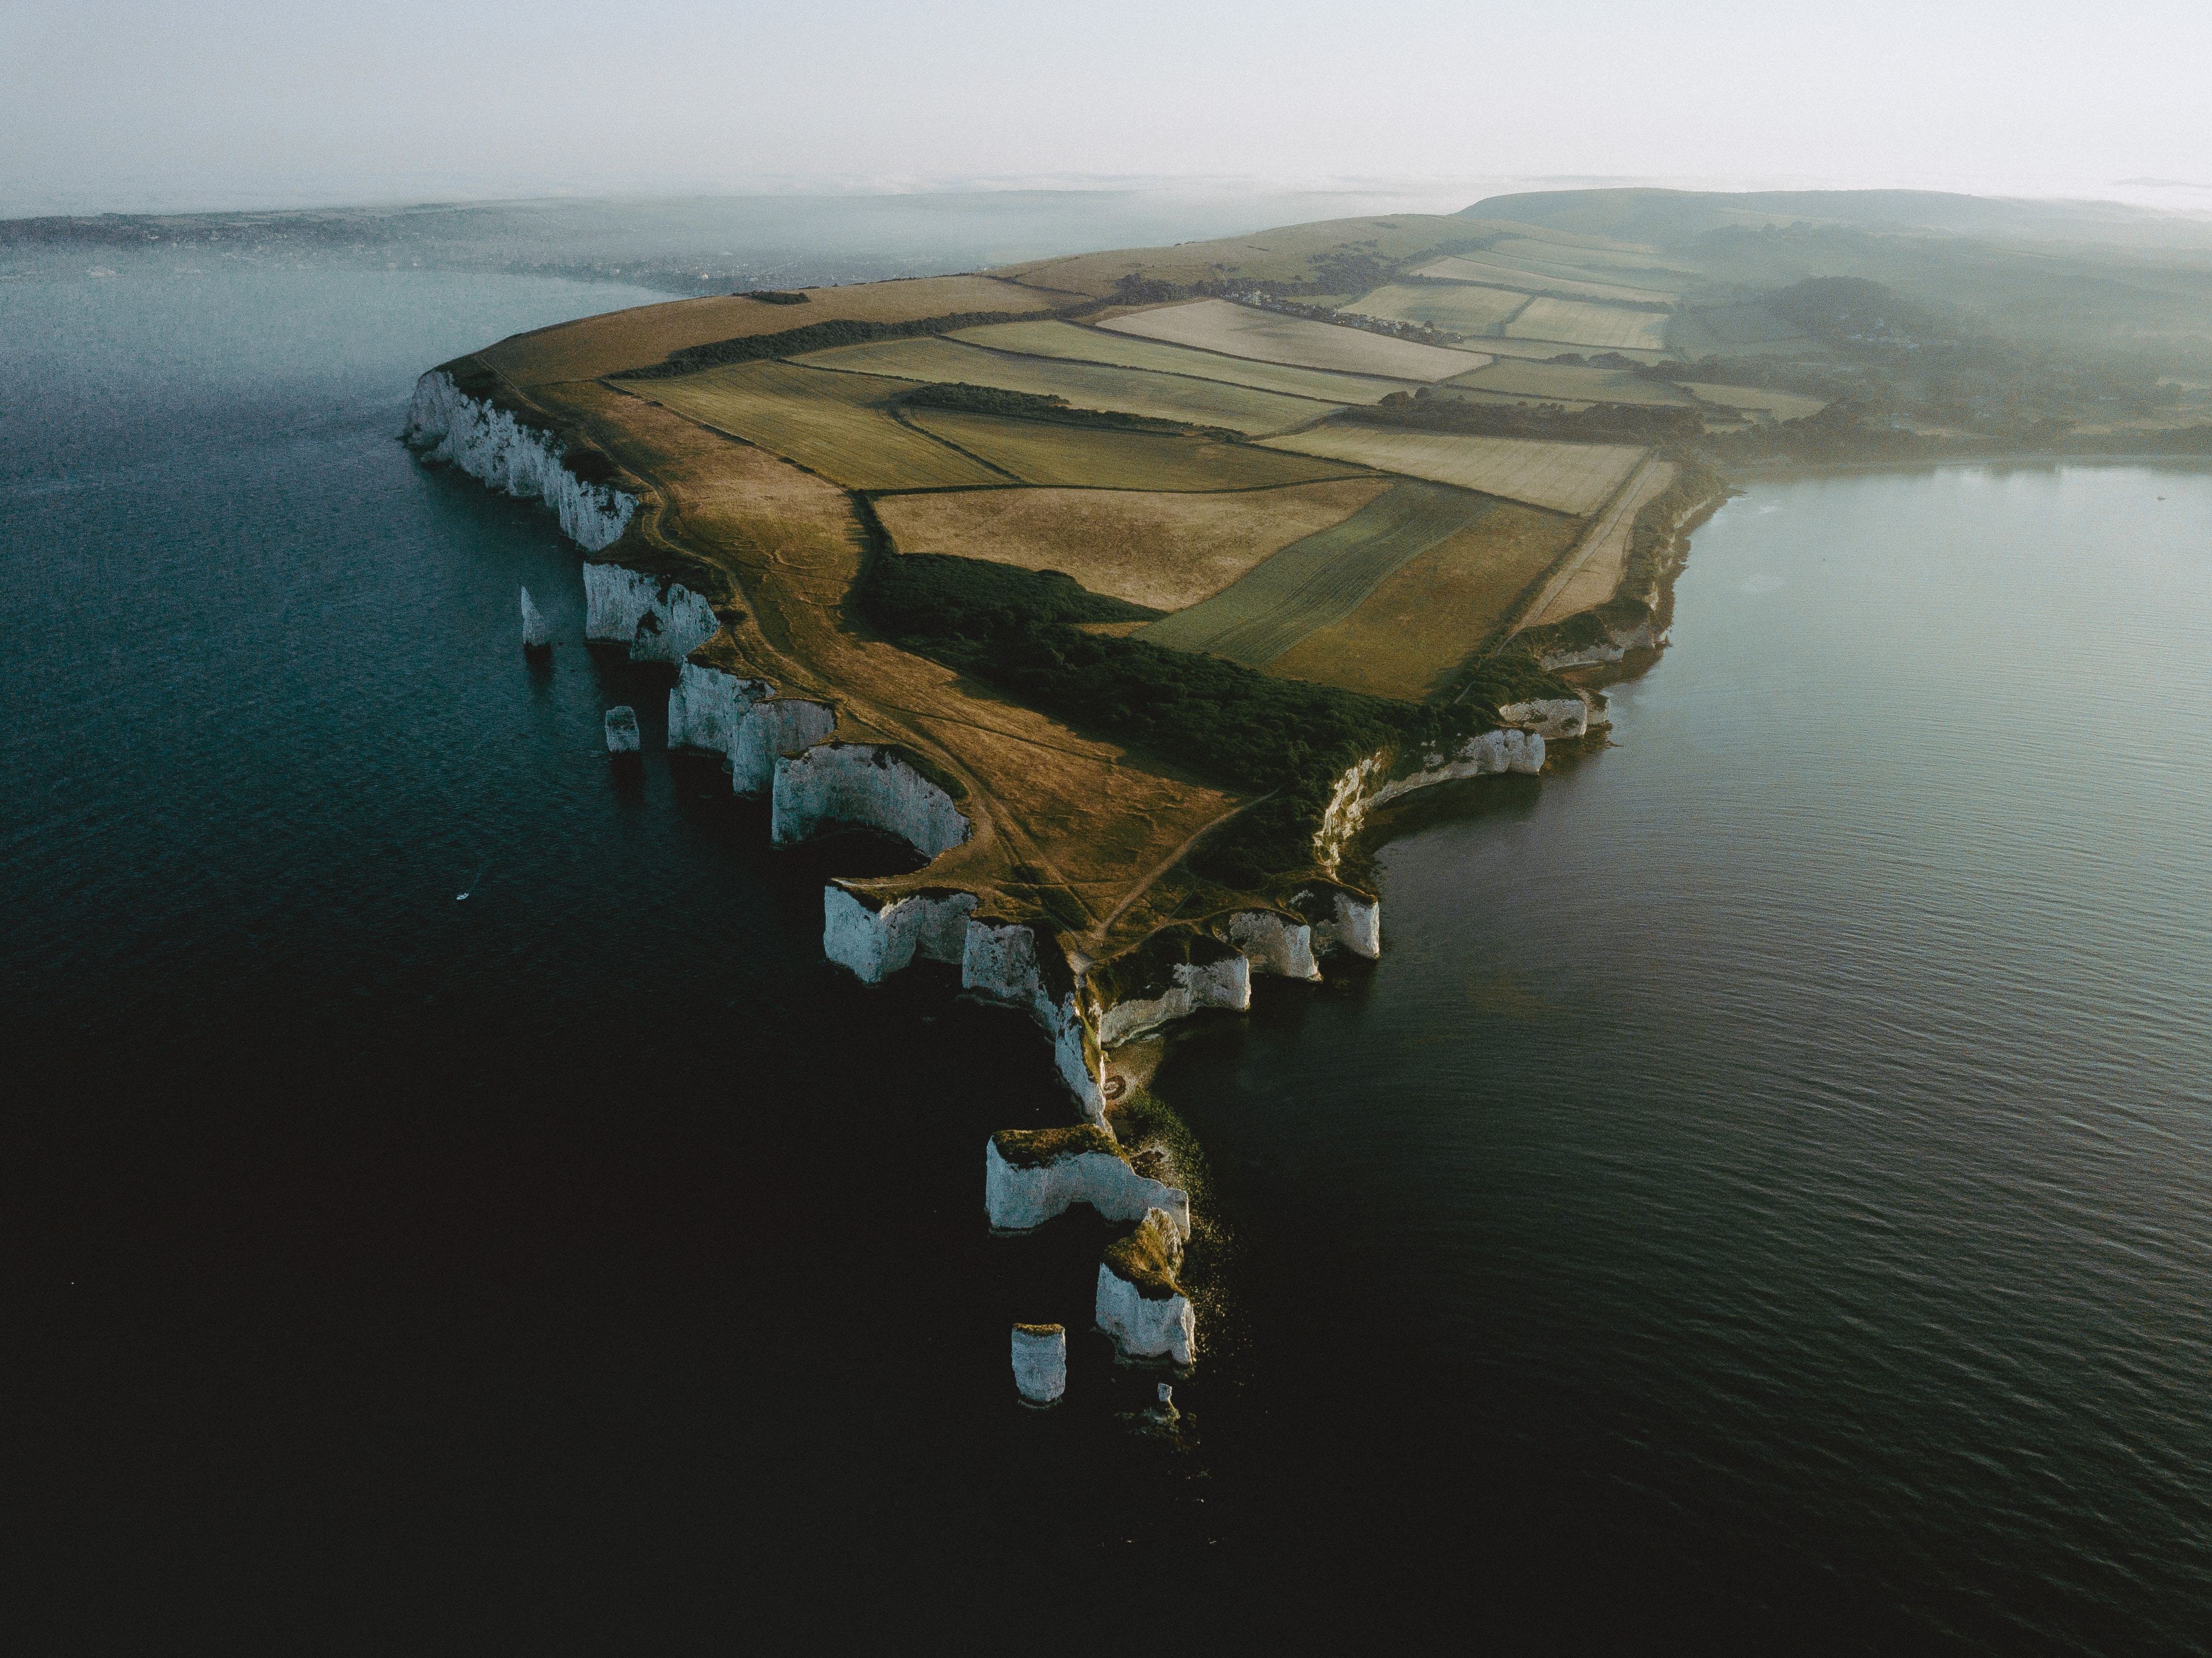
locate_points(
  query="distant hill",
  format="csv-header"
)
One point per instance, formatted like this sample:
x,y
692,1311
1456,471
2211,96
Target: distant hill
x,y
1671,218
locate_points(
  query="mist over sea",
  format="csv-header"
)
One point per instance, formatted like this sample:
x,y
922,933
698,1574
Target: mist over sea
x,y
1762,1197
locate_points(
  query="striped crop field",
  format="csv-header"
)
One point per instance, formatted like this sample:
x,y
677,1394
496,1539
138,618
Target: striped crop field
x,y
1086,386
1579,322
1567,477
1241,330
1162,548
1087,457
1410,635
1528,277
1320,579
1066,340
1463,310
1559,382
833,424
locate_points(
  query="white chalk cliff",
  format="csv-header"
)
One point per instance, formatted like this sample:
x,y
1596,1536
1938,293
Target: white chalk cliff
x,y
535,634
1030,1176
1139,1303
875,940
491,446
1548,717
660,621
1003,962
1040,1354
1616,644
866,784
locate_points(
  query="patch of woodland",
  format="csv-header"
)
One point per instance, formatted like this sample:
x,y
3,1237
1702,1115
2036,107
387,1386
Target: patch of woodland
x,y
1284,740
826,336
1046,407
1429,410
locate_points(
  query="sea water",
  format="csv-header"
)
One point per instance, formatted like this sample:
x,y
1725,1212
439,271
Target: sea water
x,y
1762,1192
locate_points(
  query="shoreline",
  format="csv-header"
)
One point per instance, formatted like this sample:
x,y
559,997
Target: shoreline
x,y
825,765
2022,458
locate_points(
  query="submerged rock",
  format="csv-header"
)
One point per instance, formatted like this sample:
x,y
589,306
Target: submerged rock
x,y
1040,1362
622,730
535,635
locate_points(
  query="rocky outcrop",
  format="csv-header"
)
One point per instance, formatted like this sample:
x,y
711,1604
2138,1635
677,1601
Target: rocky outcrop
x,y
769,729
876,939
659,620
535,635
1040,1362
706,707
1273,943
1553,718
1021,963
1141,1301
1031,1175
1342,918
1361,789
1170,975
496,448
622,730
1616,643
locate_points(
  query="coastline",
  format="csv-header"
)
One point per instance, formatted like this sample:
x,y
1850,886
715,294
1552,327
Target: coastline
x,y
822,767
2023,458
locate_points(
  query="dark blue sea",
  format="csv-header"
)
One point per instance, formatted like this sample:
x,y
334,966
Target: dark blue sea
x,y
1761,1200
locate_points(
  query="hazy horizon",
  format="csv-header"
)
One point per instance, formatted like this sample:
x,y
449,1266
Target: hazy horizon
x,y
116,108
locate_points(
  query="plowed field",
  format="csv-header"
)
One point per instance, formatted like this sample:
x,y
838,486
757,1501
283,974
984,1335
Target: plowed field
x,y
1464,310
1240,330
1320,579
1567,477
1086,386
1067,341
1167,551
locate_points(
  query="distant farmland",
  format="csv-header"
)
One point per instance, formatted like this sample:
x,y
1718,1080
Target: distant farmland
x,y
1240,330
1579,322
1067,341
1085,458
1463,310
829,423
1604,553
1783,405
1475,268
1320,579
1406,639
1567,477
1167,551
1551,382
1086,386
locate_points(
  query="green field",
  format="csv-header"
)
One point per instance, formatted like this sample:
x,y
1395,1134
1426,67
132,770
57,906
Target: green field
x,y
1074,457
1734,331
1069,343
1783,405
1528,276
833,424
1567,477
1463,310
1596,327
1320,579
1613,263
1558,382
1086,386
1239,331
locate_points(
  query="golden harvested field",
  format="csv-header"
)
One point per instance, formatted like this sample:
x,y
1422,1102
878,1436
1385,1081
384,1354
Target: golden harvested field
x,y
1286,254
1783,405
829,423
1465,310
1086,386
1579,322
1067,342
1556,381
1239,331
592,346
1567,477
1419,624
1604,552
1527,278
1321,578
1078,458
1162,550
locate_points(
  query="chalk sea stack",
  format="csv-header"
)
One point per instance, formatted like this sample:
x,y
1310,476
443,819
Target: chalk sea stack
x,y
1040,1362
535,635
622,730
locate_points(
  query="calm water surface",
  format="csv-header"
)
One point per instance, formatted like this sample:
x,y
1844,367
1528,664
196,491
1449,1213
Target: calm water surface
x,y
1762,1192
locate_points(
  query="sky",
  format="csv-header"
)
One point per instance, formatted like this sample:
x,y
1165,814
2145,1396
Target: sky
x,y
108,105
